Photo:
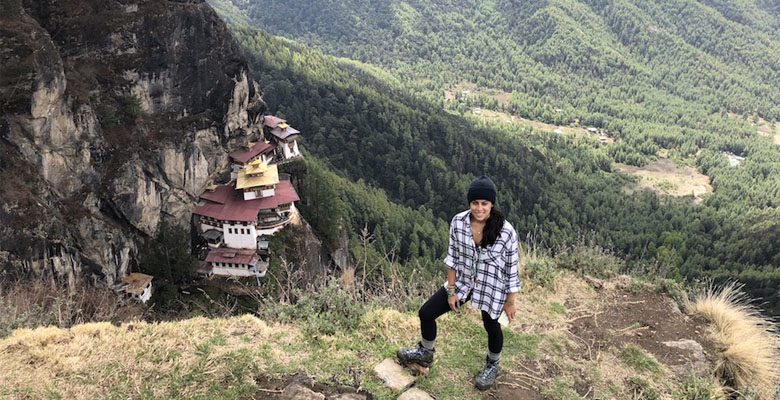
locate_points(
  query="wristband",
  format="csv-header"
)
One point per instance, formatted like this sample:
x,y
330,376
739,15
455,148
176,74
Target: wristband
x,y
451,290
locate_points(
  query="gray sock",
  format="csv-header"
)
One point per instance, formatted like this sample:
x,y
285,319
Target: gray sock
x,y
494,356
428,344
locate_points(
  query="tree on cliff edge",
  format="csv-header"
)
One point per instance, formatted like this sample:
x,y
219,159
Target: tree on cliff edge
x,y
167,256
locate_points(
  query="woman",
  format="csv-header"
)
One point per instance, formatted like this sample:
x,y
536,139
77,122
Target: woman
x,y
481,266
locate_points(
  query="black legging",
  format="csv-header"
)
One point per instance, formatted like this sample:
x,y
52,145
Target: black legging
x,y
437,305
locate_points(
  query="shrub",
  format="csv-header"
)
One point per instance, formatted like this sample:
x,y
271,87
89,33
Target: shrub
x,y
31,302
325,311
695,388
749,346
541,271
132,107
107,116
590,259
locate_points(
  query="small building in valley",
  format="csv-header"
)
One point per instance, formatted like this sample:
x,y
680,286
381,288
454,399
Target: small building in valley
x,y
235,262
138,286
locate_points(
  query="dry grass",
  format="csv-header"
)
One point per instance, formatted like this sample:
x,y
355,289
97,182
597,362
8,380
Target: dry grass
x,y
749,355
664,177
327,337
93,360
30,302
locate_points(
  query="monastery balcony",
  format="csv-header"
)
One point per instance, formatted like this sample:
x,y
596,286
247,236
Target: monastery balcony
x,y
272,220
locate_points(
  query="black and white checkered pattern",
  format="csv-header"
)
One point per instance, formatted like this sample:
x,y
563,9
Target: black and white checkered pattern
x,y
489,274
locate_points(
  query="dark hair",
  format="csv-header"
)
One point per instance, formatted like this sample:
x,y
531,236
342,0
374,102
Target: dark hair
x,y
493,227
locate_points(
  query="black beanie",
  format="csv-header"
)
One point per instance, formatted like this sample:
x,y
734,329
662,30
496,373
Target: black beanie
x,y
482,188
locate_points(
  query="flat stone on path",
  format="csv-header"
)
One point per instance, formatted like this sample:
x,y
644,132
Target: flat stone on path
x,y
415,394
296,391
393,375
349,396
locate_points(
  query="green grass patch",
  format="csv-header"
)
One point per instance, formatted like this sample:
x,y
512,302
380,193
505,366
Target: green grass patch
x,y
557,343
696,388
642,389
635,357
556,308
561,389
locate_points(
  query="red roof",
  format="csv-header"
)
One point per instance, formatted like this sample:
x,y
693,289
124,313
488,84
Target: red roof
x,y
234,256
243,156
220,195
228,204
285,133
204,267
284,194
272,122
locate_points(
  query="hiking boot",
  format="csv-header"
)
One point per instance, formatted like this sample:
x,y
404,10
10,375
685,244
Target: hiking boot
x,y
488,375
420,356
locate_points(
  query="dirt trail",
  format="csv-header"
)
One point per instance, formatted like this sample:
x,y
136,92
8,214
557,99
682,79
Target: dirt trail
x,y
646,319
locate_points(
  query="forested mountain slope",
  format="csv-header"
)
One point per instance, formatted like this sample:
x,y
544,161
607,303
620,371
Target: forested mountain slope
x,y
647,57
659,86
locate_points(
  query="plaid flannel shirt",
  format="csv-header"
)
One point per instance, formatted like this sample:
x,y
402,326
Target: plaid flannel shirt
x,y
488,274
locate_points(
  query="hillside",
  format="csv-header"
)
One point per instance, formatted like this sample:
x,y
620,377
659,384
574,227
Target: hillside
x,y
626,340
609,62
567,66
556,188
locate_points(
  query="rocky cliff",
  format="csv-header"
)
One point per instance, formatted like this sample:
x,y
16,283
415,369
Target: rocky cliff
x,y
114,115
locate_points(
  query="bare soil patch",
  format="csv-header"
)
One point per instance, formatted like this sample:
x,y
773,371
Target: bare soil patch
x,y
664,177
646,319
278,389
525,383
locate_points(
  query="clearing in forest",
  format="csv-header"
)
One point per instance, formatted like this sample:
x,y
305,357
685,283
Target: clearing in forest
x,y
537,125
763,127
469,89
766,128
664,177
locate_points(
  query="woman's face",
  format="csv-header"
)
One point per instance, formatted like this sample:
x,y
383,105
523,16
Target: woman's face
x,y
480,209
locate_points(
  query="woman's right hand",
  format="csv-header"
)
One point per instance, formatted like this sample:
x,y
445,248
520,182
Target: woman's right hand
x,y
454,303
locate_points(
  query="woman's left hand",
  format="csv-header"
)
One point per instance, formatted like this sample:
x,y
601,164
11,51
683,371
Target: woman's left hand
x,y
510,310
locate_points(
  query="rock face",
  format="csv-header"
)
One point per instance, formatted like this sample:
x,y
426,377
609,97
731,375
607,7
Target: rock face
x,y
113,117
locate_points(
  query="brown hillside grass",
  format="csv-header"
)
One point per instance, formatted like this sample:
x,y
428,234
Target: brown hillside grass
x,y
29,302
749,347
